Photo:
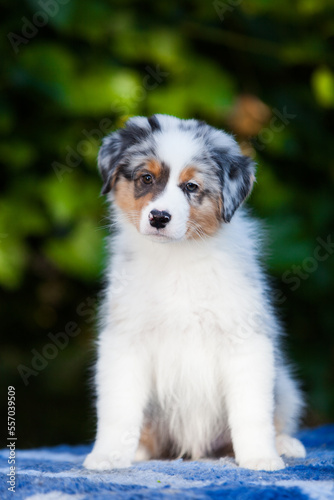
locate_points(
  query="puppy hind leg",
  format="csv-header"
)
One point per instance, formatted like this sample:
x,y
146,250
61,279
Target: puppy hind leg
x,y
148,445
289,406
155,440
289,446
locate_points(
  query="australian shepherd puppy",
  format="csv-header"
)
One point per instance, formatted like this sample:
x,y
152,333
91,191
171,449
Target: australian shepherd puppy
x,y
188,353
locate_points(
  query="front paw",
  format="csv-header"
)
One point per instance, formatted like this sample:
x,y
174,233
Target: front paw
x,y
103,461
270,464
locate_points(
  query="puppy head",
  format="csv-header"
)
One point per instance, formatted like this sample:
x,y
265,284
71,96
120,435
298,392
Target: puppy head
x,y
174,179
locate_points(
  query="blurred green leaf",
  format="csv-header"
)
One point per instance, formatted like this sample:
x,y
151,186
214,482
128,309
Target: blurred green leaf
x,y
80,253
323,85
13,259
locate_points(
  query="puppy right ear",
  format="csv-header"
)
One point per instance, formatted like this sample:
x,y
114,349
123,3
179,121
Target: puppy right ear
x,y
112,154
109,158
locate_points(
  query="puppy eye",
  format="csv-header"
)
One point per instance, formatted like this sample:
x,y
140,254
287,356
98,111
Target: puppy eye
x,y
147,178
191,187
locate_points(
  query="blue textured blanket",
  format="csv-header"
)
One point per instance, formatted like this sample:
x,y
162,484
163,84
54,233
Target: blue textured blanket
x,y
57,474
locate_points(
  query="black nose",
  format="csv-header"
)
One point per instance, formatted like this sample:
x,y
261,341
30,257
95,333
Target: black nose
x,y
159,219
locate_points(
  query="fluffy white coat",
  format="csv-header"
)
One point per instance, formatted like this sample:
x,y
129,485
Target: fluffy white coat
x,y
189,341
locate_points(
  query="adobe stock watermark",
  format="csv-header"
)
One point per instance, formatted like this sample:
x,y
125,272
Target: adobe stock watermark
x,y
120,280
40,360
75,156
299,273
31,27
59,341
11,445
91,138
279,121
222,8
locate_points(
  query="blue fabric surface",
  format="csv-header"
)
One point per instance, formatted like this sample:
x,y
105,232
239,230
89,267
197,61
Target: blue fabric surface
x,y
57,473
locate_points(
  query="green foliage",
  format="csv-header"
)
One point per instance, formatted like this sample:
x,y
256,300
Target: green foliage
x,y
91,66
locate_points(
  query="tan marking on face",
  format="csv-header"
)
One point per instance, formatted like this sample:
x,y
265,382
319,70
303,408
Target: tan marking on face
x,y
125,199
126,192
188,174
154,167
204,220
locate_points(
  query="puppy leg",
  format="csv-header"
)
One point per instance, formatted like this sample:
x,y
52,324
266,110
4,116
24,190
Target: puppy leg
x,y
122,390
148,445
142,454
250,404
289,405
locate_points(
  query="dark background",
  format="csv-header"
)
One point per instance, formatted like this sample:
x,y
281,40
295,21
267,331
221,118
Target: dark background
x,y
72,71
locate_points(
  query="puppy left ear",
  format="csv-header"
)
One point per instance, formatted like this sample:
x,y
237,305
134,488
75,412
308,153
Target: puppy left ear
x,y
237,175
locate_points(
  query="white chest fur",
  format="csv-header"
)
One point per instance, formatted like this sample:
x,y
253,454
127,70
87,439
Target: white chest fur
x,y
171,288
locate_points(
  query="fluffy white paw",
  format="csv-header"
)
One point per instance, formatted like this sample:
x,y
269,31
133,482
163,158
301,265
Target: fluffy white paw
x,y
98,461
289,446
270,464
